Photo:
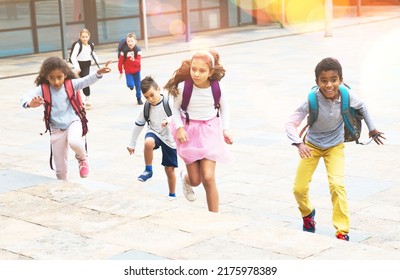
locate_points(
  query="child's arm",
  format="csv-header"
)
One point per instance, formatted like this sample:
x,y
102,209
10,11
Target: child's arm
x,y
74,58
33,99
137,129
357,103
176,115
120,64
92,78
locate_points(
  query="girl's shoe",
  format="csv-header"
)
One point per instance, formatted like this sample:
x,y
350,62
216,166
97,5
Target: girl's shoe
x,y
139,101
83,168
187,189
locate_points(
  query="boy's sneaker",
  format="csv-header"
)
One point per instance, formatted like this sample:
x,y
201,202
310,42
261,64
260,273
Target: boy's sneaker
x,y
309,223
83,168
147,174
139,101
342,236
187,189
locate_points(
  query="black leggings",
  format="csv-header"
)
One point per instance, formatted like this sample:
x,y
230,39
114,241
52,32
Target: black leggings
x,y
85,70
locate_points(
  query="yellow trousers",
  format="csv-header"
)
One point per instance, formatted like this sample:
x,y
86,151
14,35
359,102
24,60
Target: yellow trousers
x,y
334,164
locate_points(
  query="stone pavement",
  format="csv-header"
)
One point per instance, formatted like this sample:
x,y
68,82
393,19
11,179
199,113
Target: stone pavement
x,y
111,215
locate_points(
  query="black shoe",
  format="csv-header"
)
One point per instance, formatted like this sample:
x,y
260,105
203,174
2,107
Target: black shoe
x,y
308,222
139,101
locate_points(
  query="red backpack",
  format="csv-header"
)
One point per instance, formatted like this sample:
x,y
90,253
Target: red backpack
x,y
76,102
187,94
74,98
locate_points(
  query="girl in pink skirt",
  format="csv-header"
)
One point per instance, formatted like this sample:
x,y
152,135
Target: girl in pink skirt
x,y
201,131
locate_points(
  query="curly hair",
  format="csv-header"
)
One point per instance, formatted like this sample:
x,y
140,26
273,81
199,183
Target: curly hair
x,y
211,57
328,64
53,63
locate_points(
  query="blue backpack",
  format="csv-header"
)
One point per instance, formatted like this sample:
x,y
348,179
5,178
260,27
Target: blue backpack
x,y
351,117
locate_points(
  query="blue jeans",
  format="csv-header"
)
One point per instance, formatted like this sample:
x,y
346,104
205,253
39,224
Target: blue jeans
x,y
133,81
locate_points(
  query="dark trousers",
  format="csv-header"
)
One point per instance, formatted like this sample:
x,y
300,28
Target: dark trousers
x,y
85,70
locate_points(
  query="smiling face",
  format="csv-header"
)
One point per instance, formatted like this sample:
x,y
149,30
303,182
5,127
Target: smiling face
x,y
200,72
56,78
152,96
328,83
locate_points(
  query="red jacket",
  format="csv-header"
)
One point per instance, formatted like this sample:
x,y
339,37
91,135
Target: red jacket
x,y
130,65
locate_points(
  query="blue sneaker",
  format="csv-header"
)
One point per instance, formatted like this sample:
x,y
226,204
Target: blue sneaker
x,y
308,222
145,176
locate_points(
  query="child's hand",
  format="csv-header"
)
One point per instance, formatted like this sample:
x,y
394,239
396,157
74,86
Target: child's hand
x,y
131,150
182,135
304,150
36,102
227,137
376,135
164,123
120,76
105,68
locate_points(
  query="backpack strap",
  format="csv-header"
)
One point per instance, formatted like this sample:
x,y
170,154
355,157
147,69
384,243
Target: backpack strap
x,y
146,112
312,106
47,106
77,104
167,108
346,111
216,91
91,44
187,94
47,111
312,111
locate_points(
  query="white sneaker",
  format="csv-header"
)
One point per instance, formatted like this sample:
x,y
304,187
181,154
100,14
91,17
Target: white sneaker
x,y
186,188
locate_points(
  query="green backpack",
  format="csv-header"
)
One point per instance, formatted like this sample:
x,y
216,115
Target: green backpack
x,y
351,117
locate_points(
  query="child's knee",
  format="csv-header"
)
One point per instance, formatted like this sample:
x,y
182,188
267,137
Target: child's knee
x,y
149,143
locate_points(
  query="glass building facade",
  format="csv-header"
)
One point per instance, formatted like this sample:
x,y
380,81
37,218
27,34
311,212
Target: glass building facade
x,y
35,26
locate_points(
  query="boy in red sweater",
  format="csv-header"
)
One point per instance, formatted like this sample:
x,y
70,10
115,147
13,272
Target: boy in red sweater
x,y
130,61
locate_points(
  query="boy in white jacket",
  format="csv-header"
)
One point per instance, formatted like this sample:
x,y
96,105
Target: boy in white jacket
x,y
158,134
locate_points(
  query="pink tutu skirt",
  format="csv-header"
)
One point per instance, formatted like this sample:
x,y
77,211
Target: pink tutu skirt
x,y
206,141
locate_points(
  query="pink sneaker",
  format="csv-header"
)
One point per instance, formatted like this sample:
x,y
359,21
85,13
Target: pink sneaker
x,y
83,168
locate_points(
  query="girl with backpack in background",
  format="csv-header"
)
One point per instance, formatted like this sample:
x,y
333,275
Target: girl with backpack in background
x,y
129,60
199,132
65,117
81,56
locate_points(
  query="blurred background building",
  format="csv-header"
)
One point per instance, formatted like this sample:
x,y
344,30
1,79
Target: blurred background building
x,y
36,26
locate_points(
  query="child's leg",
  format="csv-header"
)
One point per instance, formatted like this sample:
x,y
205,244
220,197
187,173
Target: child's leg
x,y
129,81
136,79
85,70
334,162
59,147
207,172
149,145
76,141
305,170
170,172
193,177
170,162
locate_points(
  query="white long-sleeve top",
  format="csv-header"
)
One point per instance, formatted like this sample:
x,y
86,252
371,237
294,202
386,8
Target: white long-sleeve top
x,y
201,106
85,55
157,115
62,112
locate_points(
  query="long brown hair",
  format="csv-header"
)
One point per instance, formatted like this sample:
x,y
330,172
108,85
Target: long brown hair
x,y
53,63
183,72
